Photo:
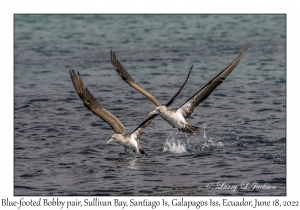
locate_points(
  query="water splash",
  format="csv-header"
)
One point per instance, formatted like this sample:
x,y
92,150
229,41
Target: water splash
x,y
172,145
208,144
179,146
204,131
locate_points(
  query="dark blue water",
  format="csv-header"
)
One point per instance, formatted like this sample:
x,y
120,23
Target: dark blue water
x,y
59,145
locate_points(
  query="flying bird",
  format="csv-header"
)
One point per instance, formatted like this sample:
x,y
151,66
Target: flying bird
x,y
130,141
177,117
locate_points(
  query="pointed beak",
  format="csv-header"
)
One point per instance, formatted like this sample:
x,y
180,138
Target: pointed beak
x,y
153,112
110,140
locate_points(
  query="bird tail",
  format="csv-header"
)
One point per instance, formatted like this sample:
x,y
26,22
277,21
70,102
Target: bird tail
x,y
189,129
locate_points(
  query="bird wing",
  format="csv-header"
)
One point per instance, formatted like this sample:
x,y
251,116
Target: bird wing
x,y
127,78
147,122
91,103
188,107
137,135
176,95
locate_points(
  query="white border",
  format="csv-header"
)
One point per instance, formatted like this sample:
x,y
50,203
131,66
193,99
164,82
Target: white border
x,y
10,7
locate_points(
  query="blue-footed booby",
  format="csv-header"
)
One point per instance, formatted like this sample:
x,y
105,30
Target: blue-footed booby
x,y
177,117
130,141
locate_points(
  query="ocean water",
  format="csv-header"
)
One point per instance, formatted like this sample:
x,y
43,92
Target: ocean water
x,y
59,145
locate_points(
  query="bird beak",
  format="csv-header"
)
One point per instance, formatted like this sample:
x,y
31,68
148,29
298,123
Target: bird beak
x,y
110,140
154,112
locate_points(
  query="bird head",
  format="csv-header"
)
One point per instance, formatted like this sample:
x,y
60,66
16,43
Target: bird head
x,y
115,137
159,110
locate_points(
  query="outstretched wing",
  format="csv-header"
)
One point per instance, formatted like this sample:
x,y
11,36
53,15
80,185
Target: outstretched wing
x,y
176,95
147,122
188,107
127,78
91,103
137,135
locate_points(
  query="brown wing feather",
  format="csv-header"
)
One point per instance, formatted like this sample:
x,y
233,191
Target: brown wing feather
x,y
128,79
138,135
188,107
147,122
91,103
177,94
